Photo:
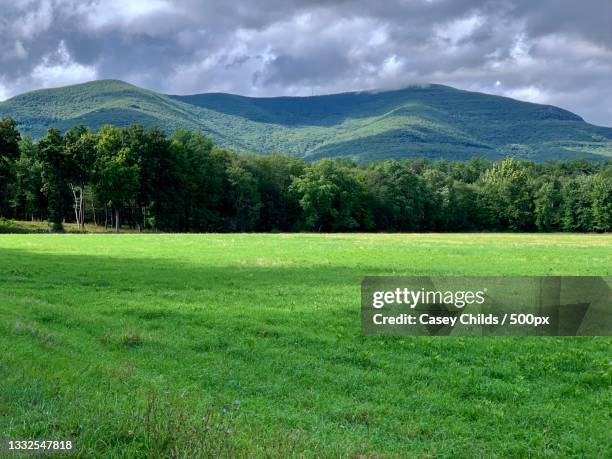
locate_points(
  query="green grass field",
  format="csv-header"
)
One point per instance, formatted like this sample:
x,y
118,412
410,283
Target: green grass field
x,y
234,345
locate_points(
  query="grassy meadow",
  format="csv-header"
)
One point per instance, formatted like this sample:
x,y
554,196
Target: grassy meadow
x,y
160,345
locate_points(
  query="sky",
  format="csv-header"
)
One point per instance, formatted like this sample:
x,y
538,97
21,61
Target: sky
x,y
555,52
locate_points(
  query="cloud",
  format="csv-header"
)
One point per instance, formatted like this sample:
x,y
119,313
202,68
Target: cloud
x,y
59,69
3,92
33,18
549,51
130,17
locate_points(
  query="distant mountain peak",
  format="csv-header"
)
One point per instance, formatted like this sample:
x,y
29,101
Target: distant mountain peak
x,y
431,120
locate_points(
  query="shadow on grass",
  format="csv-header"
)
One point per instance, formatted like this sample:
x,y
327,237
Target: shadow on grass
x,y
159,274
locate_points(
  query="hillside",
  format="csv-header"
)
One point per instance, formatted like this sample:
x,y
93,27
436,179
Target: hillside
x,y
433,120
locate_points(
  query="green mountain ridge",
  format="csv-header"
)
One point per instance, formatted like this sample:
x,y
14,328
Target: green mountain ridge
x,y
435,121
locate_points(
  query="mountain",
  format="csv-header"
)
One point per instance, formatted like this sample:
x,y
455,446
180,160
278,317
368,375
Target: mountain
x,y
428,120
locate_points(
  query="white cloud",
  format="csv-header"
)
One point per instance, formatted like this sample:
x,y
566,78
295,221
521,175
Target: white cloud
x,y
35,20
456,30
130,16
17,51
391,66
59,69
529,94
4,94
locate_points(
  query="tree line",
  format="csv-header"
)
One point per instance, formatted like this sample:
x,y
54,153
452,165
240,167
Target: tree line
x,y
149,180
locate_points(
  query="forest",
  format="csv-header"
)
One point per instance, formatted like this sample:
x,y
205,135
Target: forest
x,y
151,181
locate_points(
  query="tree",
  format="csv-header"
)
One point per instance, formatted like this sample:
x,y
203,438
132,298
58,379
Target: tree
x,y
116,172
184,183
162,170
80,145
9,153
398,196
204,180
53,161
332,198
601,201
30,201
280,209
244,195
436,199
547,206
576,208
462,212
505,196
470,170
133,137
161,195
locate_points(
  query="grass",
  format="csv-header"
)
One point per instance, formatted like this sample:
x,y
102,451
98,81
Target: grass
x,y
234,345
431,121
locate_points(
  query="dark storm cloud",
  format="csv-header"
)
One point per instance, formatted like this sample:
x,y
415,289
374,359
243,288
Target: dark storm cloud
x,y
549,51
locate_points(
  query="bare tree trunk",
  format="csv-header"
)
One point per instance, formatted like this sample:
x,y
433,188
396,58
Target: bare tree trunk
x,y
77,218
117,220
78,205
81,210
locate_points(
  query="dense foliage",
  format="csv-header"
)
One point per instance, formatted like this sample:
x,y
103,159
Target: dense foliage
x,y
148,180
433,121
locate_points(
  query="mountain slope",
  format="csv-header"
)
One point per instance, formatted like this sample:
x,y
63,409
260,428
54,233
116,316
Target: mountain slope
x,y
433,120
